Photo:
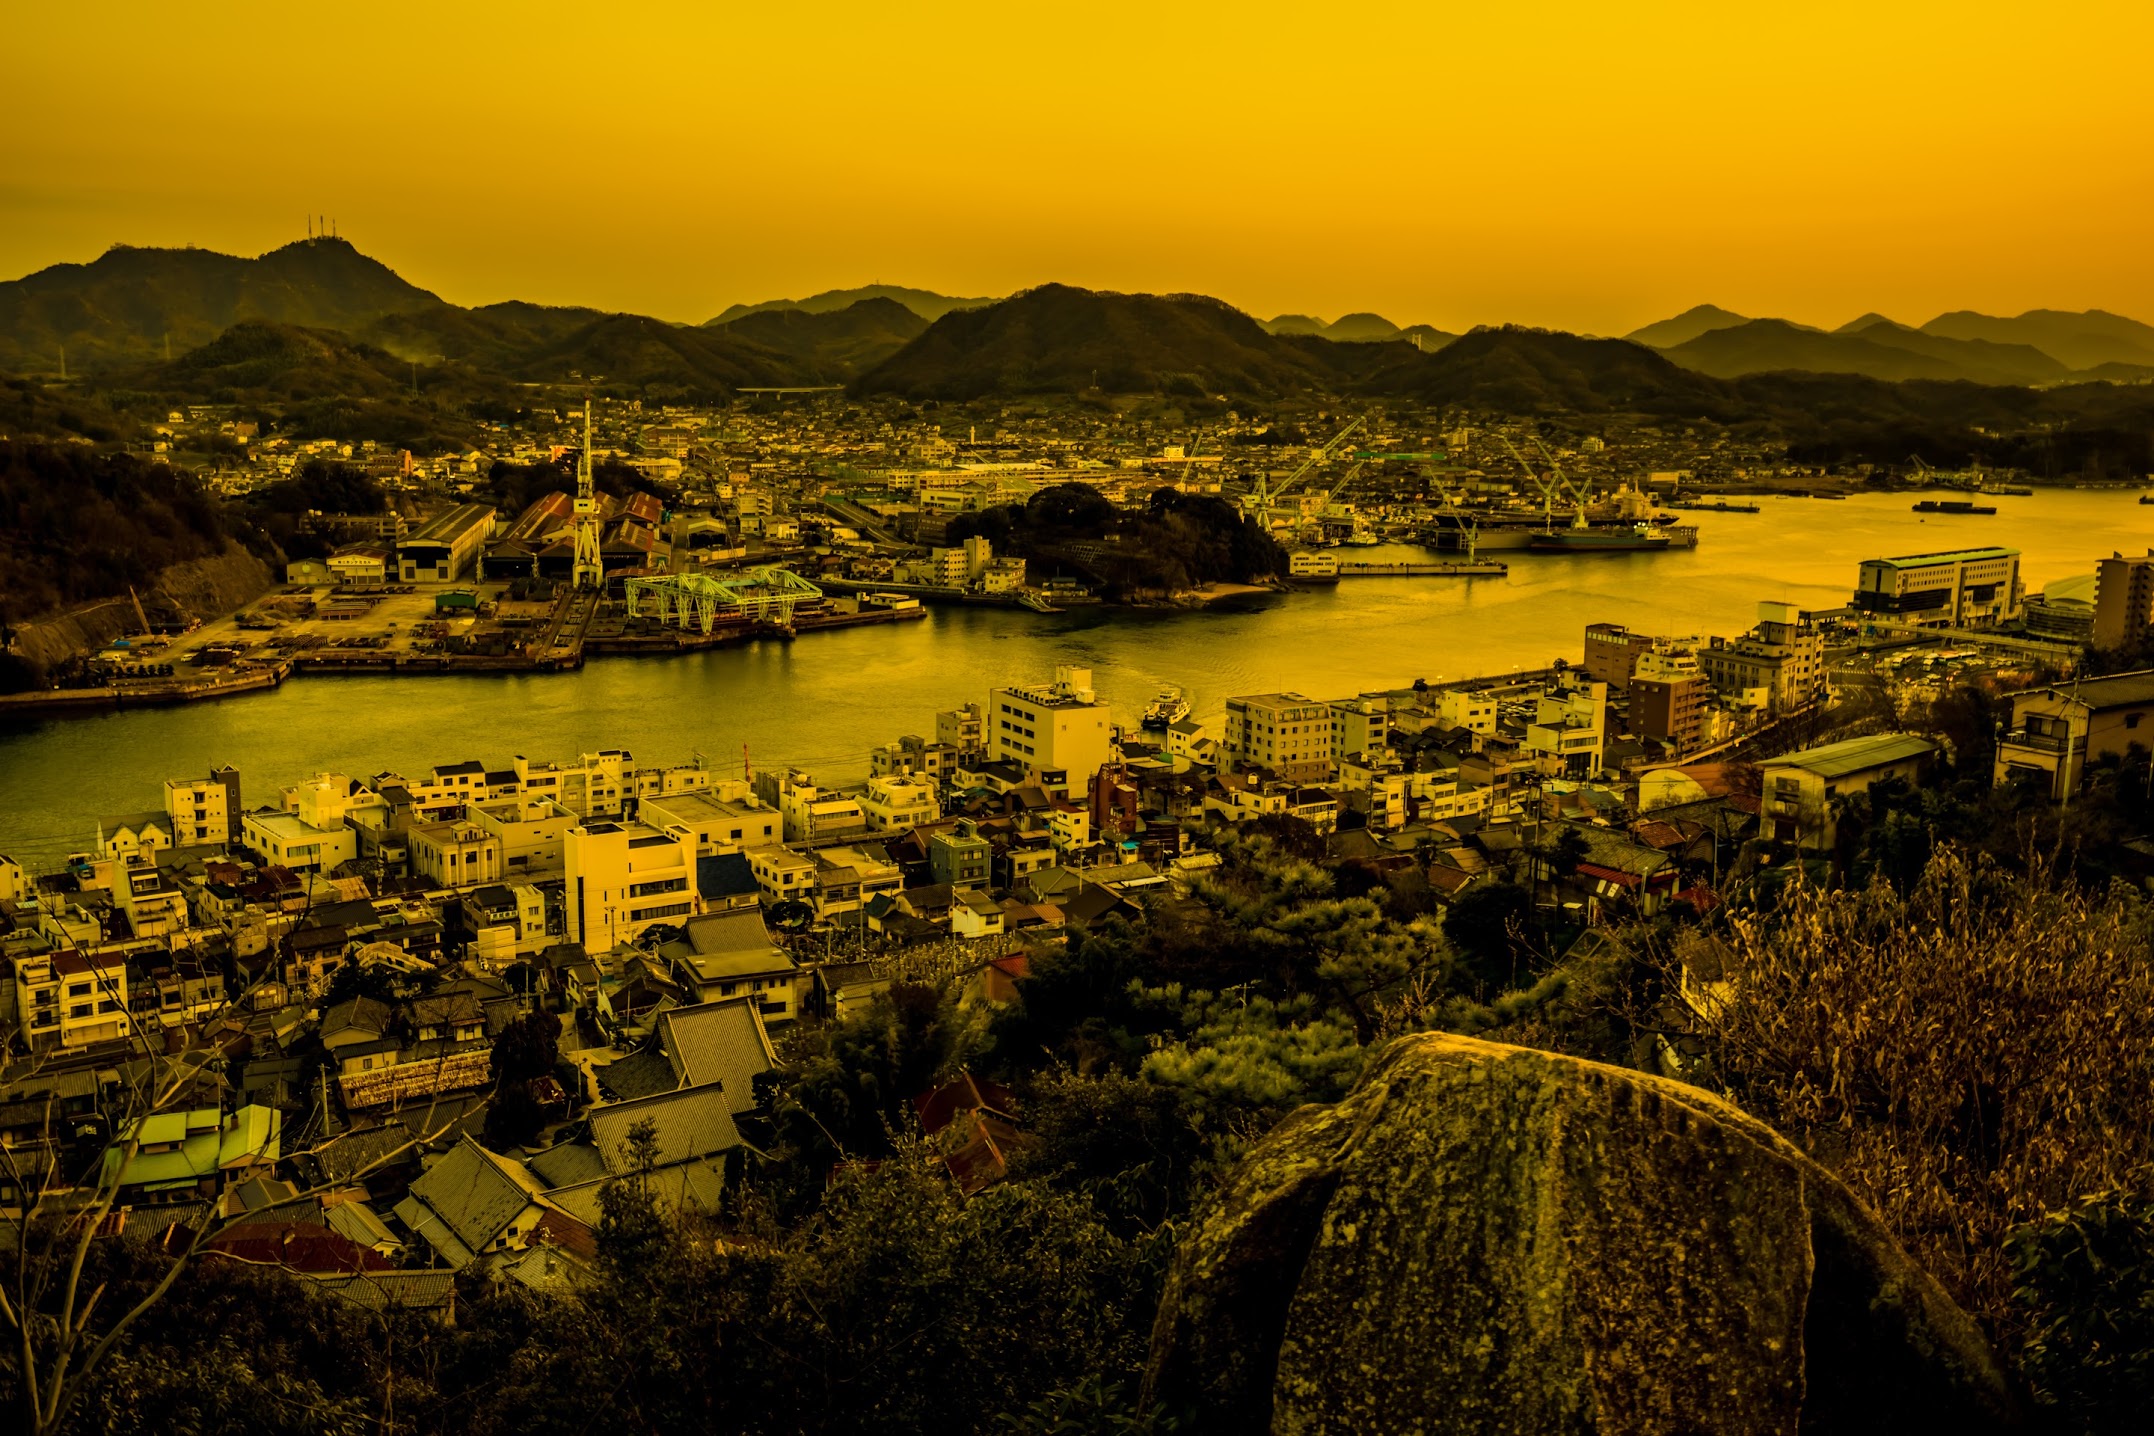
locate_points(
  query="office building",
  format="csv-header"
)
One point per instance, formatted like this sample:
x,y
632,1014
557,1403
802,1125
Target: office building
x,y
1955,588
1060,726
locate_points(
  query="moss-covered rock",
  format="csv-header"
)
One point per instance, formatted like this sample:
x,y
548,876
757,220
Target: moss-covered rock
x,y
1492,1239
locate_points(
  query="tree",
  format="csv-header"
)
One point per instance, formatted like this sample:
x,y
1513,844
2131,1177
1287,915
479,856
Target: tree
x,y
1486,924
2085,1291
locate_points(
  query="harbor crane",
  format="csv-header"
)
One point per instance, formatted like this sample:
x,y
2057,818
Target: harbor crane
x,y
1263,498
590,568
1552,484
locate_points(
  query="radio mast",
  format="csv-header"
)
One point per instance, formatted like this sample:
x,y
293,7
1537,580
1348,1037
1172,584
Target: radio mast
x,y
589,572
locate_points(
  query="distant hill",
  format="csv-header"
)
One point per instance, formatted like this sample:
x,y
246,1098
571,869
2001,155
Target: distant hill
x,y
1774,345
1530,371
1294,324
491,336
834,344
1684,327
1867,321
634,353
259,360
1058,339
121,307
2078,341
1358,329
923,302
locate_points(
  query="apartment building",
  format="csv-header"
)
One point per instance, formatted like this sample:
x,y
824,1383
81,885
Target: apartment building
x,y
1288,733
1953,588
455,855
1668,698
963,730
1464,708
1569,731
1059,726
1777,667
2123,600
960,858
1359,726
1612,654
808,813
623,877
204,811
532,833
68,999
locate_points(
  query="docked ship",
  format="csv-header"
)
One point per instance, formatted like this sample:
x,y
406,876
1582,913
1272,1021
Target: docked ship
x,y
1169,708
1632,538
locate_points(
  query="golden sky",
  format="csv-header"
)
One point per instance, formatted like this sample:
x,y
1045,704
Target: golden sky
x,y
1588,166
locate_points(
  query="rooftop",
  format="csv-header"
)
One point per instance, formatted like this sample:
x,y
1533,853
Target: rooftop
x,y
1951,555
1854,755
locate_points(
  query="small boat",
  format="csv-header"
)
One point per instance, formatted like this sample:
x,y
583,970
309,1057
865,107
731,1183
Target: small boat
x,y
2146,498
1169,708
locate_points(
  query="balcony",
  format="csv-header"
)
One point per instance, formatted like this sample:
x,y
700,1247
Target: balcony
x,y
2044,742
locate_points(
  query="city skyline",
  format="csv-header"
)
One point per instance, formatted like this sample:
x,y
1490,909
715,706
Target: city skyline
x,y
1597,176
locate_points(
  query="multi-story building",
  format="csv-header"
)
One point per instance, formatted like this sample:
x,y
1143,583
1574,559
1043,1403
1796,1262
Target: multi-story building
x,y
913,757
1359,726
1464,708
782,874
1569,731
720,824
1953,588
1668,694
894,804
622,877
1059,726
807,813
1778,666
204,811
2123,600
962,730
455,855
2058,731
1288,733
150,896
532,832
960,857
70,998
1612,654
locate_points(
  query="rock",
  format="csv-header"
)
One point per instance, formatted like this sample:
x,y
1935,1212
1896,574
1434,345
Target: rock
x,y
1483,1238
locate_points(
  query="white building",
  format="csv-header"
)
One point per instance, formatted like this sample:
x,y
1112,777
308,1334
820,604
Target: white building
x,y
204,810
1462,708
1954,588
1288,733
723,823
1061,726
893,804
810,814
622,877
1570,724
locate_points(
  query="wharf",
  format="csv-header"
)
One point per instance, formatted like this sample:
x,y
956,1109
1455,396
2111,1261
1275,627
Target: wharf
x,y
933,593
154,693
1475,568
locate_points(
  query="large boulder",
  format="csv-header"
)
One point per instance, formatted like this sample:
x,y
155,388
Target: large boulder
x,y
1484,1238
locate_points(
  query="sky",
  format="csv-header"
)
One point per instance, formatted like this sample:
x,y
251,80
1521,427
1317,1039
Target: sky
x,y
1582,166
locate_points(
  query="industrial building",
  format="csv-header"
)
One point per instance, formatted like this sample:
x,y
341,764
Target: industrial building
x,y
446,548
1956,588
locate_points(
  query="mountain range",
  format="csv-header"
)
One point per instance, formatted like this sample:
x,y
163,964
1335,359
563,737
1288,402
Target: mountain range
x,y
2041,346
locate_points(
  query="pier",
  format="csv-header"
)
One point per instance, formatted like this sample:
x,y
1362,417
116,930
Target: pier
x,y
1475,568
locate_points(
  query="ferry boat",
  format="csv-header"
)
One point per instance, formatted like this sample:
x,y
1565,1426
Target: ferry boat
x,y
1953,506
1169,708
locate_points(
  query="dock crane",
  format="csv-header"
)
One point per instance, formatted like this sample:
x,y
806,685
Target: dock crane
x,y
1577,493
1262,499
590,568
1552,484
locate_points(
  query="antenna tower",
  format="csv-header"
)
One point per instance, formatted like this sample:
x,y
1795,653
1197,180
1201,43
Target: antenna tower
x,y
589,572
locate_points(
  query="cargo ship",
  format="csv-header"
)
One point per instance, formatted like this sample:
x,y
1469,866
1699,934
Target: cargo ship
x,y
1953,506
1636,538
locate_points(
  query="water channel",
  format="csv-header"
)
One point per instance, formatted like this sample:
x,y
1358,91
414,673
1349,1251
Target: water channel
x,y
821,702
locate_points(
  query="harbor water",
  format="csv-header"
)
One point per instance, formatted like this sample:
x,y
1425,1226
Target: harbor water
x,y
822,701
